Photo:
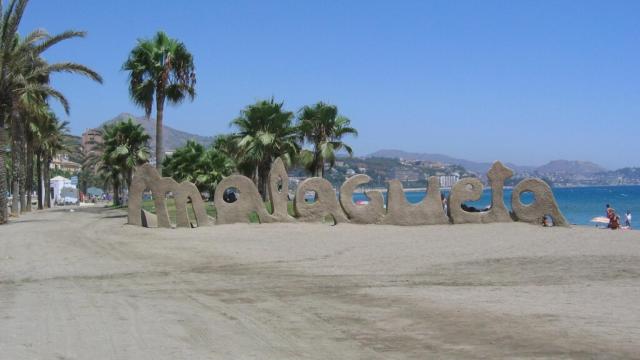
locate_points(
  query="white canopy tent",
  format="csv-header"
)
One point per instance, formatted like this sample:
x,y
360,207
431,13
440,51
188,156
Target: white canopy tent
x,y
57,184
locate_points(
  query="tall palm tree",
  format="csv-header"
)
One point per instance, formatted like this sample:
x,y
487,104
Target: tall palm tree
x,y
112,174
163,68
265,132
9,21
37,115
31,91
125,147
322,126
51,141
23,73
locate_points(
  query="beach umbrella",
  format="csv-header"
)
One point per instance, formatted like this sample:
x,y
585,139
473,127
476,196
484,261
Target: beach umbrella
x,y
600,220
94,191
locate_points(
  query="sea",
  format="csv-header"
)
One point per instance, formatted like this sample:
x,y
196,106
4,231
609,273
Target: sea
x,y
578,204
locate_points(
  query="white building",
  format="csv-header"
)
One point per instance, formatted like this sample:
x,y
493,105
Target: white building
x,y
447,181
59,196
62,162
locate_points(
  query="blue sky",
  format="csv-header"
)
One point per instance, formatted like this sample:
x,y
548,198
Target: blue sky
x,y
519,81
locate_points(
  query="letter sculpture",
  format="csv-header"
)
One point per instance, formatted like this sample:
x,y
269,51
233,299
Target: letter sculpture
x,y
325,204
543,204
147,177
398,210
428,212
279,192
470,189
247,202
371,213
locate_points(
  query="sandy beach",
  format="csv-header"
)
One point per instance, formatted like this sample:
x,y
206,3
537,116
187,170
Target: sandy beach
x,y
82,285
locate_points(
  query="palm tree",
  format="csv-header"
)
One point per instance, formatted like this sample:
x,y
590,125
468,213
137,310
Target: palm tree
x,y
265,132
30,91
227,144
160,67
203,167
125,147
9,22
112,174
322,126
36,116
51,141
23,76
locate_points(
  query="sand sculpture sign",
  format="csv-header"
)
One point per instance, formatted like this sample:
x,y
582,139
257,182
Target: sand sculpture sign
x,y
398,210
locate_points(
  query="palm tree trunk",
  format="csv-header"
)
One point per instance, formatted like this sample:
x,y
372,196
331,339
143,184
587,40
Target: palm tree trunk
x,y
159,129
29,180
23,171
15,193
263,177
319,172
47,183
317,159
116,194
128,184
15,166
40,183
255,177
4,214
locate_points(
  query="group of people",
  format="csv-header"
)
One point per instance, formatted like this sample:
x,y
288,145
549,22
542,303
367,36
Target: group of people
x,y
465,207
614,219
94,198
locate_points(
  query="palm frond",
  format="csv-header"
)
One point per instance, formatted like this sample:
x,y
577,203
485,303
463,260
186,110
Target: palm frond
x,y
48,91
71,68
50,41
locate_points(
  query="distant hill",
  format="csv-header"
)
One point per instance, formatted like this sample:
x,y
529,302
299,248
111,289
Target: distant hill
x,y
477,167
73,144
559,173
628,175
173,138
557,167
570,167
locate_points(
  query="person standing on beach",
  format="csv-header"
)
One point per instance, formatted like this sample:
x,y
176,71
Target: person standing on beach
x,y
444,204
627,219
614,219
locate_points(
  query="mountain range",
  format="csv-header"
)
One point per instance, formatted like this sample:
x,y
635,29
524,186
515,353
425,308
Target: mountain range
x,y
173,138
571,167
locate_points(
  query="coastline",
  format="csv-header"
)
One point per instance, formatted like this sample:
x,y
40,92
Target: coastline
x,y
487,187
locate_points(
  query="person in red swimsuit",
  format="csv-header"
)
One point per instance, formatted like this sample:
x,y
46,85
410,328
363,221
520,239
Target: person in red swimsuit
x,y
614,219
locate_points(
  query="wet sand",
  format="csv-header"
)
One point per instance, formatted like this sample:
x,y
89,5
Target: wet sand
x,y
82,285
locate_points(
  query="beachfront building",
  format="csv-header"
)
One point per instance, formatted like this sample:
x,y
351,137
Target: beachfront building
x,y
434,165
447,181
62,162
91,140
406,174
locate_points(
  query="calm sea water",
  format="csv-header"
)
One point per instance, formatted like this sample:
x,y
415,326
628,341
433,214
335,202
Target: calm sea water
x,y
579,205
